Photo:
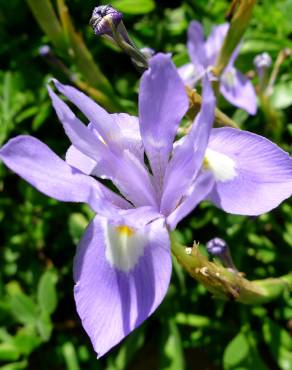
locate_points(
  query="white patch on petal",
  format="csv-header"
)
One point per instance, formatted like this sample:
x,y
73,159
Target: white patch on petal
x,y
222,166
229,77
187,71
124,246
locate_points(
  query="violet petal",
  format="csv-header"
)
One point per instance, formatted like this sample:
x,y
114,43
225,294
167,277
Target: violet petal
x,y
238,90
253,175
42,168
162,104
187,157
122,274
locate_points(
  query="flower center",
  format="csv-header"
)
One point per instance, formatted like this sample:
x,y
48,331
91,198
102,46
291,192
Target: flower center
x,y
124,246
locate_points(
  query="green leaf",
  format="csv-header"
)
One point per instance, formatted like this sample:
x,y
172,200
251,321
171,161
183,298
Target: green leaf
x,y
172,356
280,344
45,326
9,352
47,294
70,356
282,95
236,352
23,308
134,6
127,351
15,366
26,340
192,320
77,225
241,353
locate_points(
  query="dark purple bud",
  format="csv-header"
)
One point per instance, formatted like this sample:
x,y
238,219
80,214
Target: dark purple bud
x,y
218,248
102,18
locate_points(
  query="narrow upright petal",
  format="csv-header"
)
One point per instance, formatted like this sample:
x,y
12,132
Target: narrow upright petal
x,y
187,157
196,48
42,168
253,175
187,73
123,168
238,90
75,158
195,194
100,118
122,274
162,104
215,41
131,138
81,137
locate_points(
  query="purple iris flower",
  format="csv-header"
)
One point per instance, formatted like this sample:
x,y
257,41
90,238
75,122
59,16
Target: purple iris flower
x,y
234,86
122,267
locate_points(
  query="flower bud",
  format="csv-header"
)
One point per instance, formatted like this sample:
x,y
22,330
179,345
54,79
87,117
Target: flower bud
x,y
218,248
262,61
102,18
107,21
44,50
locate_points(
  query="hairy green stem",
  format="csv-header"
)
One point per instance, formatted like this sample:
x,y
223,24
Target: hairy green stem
x,y
227,284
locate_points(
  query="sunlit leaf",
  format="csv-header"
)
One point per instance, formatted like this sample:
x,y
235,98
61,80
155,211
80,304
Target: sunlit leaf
x,y
134,6
282,95
47,294
24,308
280,344
171,356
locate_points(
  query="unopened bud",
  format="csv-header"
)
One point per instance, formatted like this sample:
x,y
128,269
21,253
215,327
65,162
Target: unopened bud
x,y
262,61
107,21
217,247
44,50
102,18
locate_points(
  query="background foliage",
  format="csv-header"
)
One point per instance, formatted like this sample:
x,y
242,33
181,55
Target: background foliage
x,y
40,328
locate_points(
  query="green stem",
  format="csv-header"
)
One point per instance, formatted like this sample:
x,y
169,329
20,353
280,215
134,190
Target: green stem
x,y
195,105
128,46
226,284
46,17
283,54
240,14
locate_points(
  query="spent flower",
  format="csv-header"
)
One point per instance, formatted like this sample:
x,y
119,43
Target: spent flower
x,y
123,266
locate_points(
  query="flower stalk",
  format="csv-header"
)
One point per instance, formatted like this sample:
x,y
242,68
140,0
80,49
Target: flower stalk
x,y
282,56
226,284
195,100
265,90
70,45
